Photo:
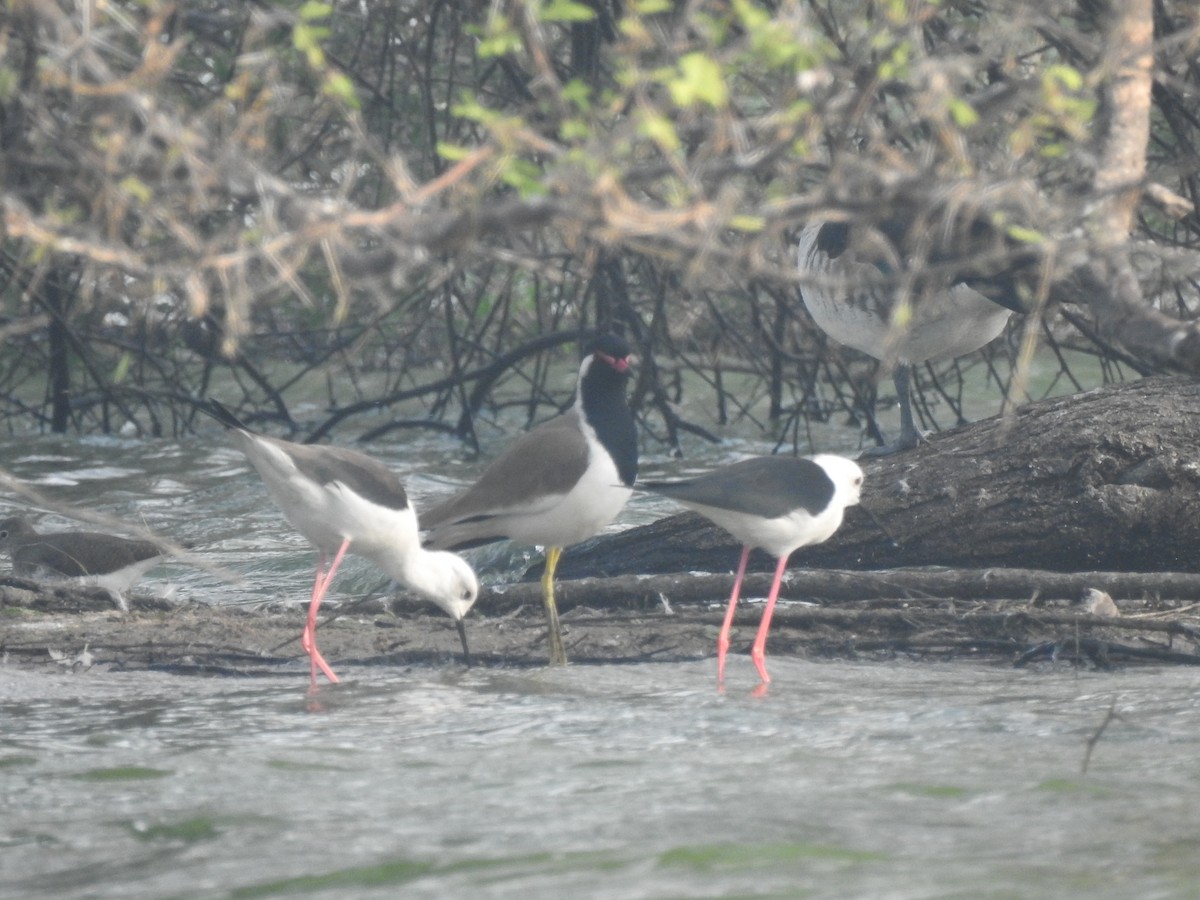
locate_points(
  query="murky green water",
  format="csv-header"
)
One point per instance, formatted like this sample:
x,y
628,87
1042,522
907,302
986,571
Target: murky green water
x,y
846,780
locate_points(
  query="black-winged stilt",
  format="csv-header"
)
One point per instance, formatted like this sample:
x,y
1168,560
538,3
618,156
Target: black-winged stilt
x,y
775,503
343,501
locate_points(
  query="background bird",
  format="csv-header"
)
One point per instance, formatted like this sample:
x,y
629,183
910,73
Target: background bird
x,y
559,483
343,501
862,293
775,503
89,557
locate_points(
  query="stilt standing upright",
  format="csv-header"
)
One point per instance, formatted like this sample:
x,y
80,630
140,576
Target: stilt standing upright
x,y
775,503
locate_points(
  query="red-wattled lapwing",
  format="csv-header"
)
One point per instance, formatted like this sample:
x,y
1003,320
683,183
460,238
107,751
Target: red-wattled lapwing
x,y
87,557
941,316
344,501
775,503
559,483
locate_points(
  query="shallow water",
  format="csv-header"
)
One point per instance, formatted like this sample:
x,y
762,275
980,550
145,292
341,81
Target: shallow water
x,y
894,780
844,780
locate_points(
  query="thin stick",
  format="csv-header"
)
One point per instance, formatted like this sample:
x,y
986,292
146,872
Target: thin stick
x,y
1095,738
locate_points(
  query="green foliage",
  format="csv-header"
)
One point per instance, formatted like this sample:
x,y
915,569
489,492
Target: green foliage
x,y
496,38
308,37
278,171
1061,118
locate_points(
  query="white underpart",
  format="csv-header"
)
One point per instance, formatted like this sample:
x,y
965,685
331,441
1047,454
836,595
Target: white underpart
x,y
779,536
561,520
116,583
328,514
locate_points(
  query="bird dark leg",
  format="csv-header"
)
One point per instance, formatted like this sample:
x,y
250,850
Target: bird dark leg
x,y
558,655
462,636
723,637
308,640
910,436
758,652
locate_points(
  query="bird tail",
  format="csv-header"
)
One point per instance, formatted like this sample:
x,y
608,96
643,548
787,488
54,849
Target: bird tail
x,y
221,413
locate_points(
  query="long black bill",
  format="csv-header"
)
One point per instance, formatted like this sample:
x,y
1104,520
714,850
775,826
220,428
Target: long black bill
x,y
875,520
462,636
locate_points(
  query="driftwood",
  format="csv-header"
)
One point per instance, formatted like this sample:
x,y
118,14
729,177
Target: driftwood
x,y
1033,586
1108,479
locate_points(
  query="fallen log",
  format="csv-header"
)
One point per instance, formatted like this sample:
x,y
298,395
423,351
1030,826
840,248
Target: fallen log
x,y
845,585
1107,479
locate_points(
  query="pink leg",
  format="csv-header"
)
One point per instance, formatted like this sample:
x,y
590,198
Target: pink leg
x,y
758,652
723,637
308,639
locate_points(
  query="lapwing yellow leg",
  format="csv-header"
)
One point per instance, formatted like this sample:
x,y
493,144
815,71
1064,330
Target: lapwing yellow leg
x,y
558,656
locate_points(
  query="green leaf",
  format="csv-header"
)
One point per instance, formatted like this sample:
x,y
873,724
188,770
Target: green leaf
x,y
1025,235
122,368
652,7
523,175
470,108
578,93
751,224
574,130
566,11
701,81
340,87
963,113
452,152
1067,76
312,10
135,187
659,129
499,38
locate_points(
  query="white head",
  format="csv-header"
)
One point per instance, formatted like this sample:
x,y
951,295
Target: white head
x,y
446,579
846,476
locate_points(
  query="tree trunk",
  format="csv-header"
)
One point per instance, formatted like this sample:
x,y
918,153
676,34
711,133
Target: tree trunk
x,y
1107,479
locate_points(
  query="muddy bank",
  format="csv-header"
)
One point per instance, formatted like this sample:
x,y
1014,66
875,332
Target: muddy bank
x,y
55,629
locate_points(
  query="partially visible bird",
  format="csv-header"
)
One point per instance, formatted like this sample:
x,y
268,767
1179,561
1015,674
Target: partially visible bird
x,y
344,501
1099,603
859,292
88,557
775,503
559,483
